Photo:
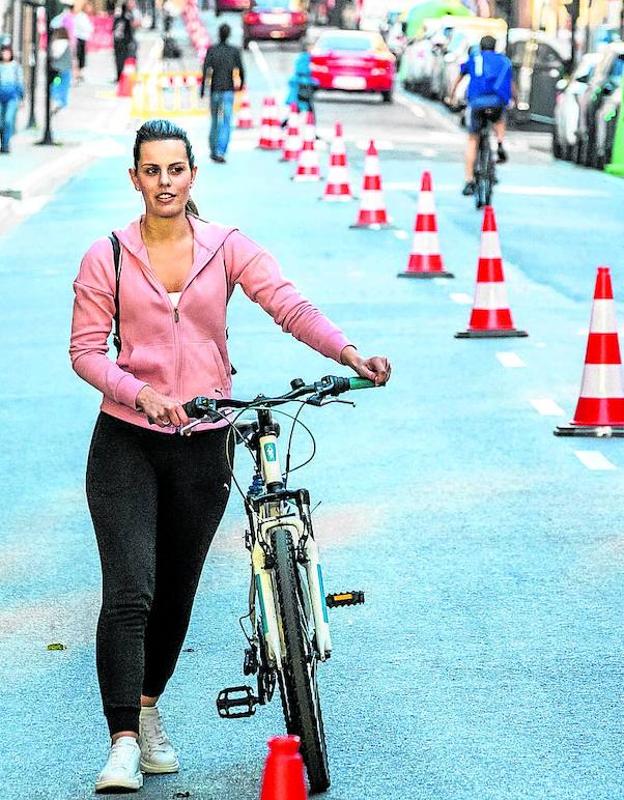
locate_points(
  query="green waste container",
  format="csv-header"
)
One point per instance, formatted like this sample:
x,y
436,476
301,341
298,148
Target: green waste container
x,y
616,167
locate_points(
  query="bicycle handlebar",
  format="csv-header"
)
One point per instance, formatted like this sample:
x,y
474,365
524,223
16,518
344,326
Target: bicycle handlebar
x,y
328,386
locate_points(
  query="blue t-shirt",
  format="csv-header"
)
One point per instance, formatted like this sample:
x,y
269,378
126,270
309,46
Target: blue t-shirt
x,y
490,79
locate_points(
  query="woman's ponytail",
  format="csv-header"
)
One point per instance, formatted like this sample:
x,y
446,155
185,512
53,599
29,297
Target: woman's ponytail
x,y
191,208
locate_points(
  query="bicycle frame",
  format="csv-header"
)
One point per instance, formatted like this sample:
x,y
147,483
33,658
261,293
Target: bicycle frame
x,y
271,506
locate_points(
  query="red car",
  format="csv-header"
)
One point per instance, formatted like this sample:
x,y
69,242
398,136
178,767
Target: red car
x,y
274,19
354,61
231,5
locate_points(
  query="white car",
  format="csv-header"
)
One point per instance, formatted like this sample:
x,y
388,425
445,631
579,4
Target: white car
x,y
565,130
418,59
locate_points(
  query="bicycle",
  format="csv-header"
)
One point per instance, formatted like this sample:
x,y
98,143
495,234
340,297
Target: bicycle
x,y
288,608
485,164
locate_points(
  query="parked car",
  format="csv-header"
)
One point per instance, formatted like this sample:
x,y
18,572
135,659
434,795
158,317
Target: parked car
x,y
539,63
231,5
604,82
605,129
566,125
353,61
418,58
274,19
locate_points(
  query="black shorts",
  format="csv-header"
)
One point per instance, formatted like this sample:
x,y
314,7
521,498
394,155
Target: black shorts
x,y
477,117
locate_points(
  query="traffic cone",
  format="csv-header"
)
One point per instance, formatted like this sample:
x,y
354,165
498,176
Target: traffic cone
x,y
283,777
616,167
491,316
271,132
600,409
126,80
372,212
245,119
425,260
338,187
308,168
292,143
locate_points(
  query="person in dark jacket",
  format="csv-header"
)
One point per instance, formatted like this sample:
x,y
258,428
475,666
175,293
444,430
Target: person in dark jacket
x,y
125,23
223,66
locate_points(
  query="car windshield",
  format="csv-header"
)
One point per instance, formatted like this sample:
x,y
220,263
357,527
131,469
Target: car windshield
x,y
353,43
282,5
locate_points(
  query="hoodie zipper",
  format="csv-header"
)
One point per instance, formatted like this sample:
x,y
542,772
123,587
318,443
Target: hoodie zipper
x,y
178,354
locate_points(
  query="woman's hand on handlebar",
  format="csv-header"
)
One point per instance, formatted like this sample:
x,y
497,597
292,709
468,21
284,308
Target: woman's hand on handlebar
x,y
160,409
375,368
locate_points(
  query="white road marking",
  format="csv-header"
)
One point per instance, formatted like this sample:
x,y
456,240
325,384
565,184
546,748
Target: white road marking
x,y
414,107
401,234
510,359
440,281
461,297
592,459
428,152
547,407
263,64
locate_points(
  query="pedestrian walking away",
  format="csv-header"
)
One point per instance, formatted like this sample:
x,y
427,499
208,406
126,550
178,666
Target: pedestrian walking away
x,y
223,68
124,40
156,498
60,69
489,87
83,27
11,94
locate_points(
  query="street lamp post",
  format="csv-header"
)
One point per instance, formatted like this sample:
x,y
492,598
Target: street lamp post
x,y
47,134
34,59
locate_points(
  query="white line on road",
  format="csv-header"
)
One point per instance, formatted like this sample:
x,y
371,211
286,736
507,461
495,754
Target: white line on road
x,y
547,407
593,459
440,281
428,152
262,63
461,297
510,359
416,109
401,234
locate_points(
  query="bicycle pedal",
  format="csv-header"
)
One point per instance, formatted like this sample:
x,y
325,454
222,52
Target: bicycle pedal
x,y
237,697
344,599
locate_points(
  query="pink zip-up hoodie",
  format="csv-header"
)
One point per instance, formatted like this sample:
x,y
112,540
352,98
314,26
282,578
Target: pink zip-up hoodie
x,y
183,352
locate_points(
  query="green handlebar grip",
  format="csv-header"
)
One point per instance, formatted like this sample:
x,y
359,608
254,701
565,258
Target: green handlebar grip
x,y
361,383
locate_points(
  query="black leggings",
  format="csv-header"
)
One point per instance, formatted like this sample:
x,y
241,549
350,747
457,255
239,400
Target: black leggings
x,y
156,501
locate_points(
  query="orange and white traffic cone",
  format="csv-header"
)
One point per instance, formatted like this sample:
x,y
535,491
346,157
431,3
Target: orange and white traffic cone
x,y
127,78
283,777
338,187
271,132
245,119
308,168
491,315
372,212
292,143
600,409
425,260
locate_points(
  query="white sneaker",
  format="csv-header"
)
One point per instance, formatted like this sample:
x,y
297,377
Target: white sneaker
x,y
122,771
157,753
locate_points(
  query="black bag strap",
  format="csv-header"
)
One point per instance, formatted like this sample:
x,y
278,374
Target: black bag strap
x,y
117,261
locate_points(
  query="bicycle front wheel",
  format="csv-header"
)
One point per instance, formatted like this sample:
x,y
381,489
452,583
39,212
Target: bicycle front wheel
x,y
298,679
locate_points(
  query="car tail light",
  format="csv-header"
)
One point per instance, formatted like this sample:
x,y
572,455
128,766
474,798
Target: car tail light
x,y
299,17
251,18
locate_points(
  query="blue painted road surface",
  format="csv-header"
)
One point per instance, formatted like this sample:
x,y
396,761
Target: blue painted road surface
x,y
487,661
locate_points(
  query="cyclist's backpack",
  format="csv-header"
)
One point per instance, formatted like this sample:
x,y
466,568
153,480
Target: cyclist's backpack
x,y
117,261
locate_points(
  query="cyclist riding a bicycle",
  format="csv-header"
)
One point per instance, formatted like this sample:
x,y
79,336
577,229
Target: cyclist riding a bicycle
x,y
489,93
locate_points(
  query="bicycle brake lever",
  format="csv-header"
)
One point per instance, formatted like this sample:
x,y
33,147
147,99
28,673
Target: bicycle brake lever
x,y
185,430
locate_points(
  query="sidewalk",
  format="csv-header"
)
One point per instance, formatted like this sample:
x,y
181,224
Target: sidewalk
x,y
83,132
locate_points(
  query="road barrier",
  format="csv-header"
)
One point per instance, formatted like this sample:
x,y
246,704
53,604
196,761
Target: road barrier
x,y
425,260
491,315
338,187
600,409
167,94
283,776
372,213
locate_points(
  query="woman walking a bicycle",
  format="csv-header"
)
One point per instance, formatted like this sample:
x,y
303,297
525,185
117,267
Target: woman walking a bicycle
x,y
489,87
156,499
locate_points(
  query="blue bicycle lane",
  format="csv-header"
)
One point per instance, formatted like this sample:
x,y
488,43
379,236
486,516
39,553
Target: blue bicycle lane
x,y
485,662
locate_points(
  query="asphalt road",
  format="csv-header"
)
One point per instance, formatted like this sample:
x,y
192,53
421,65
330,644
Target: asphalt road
x,y
487,661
